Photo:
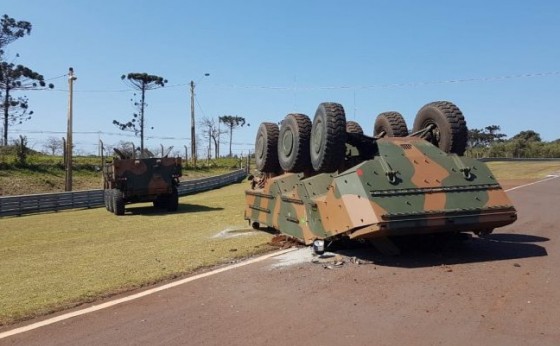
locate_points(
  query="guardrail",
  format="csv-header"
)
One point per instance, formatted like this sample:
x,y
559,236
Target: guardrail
x,y
49,202
512,159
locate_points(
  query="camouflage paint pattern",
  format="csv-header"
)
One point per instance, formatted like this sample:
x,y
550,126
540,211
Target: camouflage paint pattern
x,y
408,187
142,179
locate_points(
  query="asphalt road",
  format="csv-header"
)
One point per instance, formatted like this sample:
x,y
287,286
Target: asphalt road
x,y
500,290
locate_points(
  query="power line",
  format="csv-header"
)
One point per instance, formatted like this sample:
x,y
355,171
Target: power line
x,y
339,87
49,132
399,85
53,78
199,106
97,133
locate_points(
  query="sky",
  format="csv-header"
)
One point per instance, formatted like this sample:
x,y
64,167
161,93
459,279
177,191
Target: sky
x,y
498,61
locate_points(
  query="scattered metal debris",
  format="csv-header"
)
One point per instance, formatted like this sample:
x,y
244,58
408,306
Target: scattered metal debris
x,y
284,242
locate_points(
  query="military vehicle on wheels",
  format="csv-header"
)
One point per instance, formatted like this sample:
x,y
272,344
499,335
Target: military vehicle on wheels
x,y
132,180
326,180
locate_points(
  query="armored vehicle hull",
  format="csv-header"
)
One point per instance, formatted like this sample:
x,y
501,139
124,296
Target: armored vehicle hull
x,y
377,187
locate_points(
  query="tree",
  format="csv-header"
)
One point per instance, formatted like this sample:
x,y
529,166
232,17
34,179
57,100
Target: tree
x,y
15,110
208,125
13,78
212,133
53,145
528,136
22,150
485,137
232,122
476,138
11,30
492,134
141,82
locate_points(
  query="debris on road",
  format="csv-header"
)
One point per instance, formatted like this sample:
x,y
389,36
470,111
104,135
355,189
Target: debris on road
x,y
284,242
328,260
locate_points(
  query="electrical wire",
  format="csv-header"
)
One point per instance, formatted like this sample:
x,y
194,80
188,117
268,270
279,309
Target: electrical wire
x,y
54,78
107,134
199,106
398,85
341,87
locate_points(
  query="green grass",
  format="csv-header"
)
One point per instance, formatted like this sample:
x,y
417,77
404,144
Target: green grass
x,y
21,181
520,170
54,261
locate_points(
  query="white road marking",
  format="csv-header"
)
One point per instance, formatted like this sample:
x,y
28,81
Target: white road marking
x,y
549,177
174,284
138,295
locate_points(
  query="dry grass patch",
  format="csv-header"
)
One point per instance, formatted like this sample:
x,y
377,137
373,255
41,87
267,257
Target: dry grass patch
x,y
523,170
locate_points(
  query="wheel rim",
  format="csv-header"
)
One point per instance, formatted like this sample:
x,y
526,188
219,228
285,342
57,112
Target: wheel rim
x,y
317,137
287,142
260,146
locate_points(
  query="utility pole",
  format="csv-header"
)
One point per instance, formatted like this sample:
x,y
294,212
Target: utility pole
x,y
71,79
193,133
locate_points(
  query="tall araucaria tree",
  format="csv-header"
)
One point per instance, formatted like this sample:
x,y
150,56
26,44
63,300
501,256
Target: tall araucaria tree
x,y
15,110
141,82
11,30
232,122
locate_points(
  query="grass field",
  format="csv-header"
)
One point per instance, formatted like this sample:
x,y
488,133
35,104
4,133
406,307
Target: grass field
x,y
518,170
53,261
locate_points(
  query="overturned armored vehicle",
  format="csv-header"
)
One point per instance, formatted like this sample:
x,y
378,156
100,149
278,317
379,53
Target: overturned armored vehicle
x,y
326,179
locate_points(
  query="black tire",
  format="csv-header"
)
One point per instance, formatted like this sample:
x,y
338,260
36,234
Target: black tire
x,y
392,123
118,202
106,199
450,133
110,200
293,143
328,137
163,201
173,202
354,127
266,148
